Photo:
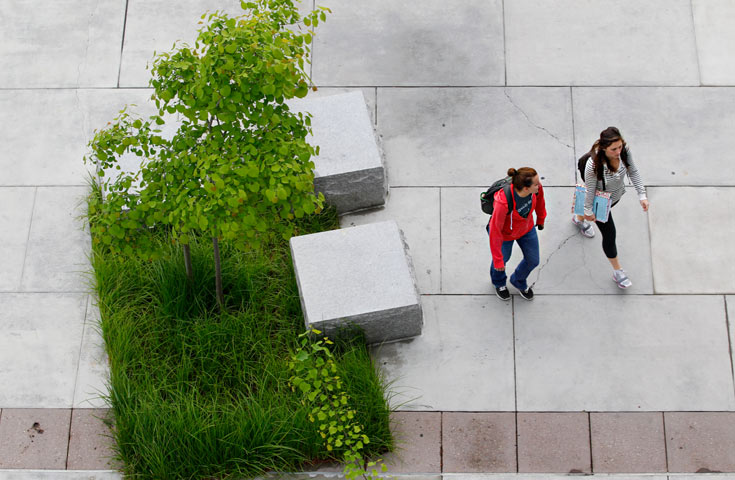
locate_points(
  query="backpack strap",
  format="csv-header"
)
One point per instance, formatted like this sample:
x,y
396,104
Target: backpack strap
x,y
508,197
603,173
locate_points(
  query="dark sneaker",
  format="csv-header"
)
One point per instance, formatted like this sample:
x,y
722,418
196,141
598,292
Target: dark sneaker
x,y
502,293
527,294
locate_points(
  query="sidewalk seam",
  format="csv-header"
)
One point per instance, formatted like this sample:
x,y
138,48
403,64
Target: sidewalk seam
x,y
666,446
589,432
81,345
505,46
441,275
28,240
122,43
729,341
68,438
515,378
696,45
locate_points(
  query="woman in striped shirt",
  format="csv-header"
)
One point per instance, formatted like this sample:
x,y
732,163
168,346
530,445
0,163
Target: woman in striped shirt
x,y
609,160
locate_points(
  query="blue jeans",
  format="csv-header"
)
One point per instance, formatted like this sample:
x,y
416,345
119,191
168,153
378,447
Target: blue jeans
x,y
530,249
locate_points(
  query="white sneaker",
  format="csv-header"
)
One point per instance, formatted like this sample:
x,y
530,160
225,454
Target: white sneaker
x,y
621,278
584,226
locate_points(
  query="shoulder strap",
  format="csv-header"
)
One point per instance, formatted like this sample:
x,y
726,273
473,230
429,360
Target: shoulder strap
x,y
509,197
624,156
600,177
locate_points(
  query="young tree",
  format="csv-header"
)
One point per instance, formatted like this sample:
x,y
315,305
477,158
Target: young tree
x,y
238,168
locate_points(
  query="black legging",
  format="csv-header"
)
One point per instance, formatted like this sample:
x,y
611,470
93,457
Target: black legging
x,y
608,236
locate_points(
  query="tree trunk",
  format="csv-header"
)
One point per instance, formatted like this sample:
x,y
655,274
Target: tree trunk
x,y
187,262
218,275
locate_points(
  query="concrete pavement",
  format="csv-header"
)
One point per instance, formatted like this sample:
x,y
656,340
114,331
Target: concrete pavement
x,y
459,93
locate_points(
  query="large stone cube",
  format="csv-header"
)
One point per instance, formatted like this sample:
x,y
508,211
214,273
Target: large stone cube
x,y
360,276
349,169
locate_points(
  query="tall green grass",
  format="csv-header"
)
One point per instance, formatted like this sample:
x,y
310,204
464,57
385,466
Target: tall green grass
x,y
198,393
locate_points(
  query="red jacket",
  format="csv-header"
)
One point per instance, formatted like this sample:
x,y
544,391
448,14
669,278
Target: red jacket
x,y
504,227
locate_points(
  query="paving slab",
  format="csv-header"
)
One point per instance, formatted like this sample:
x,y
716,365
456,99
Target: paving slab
x,y
15,220
67,43
704,252
154,26
34,438
570,263
39,348
59,475
468,334
357,45
41,149
713,21
470,137
700,442
677,136
93,375
478,442
57,259
622,353
417,438
551,476
553,442
627,442
90,440
416,210
565,42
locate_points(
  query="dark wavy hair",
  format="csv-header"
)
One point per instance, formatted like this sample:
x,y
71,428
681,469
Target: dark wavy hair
x,y
607,137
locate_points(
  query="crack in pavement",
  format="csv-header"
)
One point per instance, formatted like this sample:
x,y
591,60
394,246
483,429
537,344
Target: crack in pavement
x,y
530,122
548,259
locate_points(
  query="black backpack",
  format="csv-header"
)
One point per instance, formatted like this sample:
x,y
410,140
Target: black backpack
x,y
487,198
582,164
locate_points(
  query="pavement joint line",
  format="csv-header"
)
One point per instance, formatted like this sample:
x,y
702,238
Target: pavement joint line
x,y
505,46
122,42
79,357
86,47
574,130
441,442
696,45
589,432
28,239
729,340
68,437
441,276
666,446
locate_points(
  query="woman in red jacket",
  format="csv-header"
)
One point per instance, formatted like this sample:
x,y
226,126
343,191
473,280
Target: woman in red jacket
x,y
504,229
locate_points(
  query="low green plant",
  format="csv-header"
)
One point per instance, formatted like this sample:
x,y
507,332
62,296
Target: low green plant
x,y
200,393
315,375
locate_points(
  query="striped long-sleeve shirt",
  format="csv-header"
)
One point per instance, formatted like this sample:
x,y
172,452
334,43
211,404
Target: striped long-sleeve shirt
x,y
614,182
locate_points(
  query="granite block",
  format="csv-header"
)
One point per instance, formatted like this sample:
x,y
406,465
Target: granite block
x,y
360,276
349,169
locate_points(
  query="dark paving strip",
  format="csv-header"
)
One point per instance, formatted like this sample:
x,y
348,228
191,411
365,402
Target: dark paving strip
x,y
439,442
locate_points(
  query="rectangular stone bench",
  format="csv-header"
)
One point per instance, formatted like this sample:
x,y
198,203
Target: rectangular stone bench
x,y
360,276
348,170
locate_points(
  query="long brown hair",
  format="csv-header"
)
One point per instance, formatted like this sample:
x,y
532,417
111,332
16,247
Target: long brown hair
x,y
607,137
523,177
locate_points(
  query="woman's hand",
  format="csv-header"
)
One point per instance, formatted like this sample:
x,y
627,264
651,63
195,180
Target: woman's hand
x,y
591,218
644,204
